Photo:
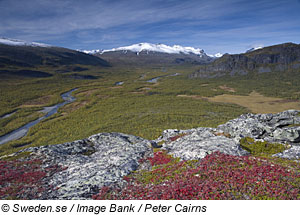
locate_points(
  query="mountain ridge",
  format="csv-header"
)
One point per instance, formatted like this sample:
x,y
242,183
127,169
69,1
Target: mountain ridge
x,y
16,42
30,54
278,58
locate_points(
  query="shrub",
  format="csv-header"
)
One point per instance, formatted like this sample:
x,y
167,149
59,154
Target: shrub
x,y
217,176
24,179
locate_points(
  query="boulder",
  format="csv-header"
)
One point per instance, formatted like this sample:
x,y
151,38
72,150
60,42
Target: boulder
x,y
293,153
198,143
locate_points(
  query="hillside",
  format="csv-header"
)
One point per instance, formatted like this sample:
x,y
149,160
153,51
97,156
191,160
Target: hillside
x,y
278,58
33,56
250,157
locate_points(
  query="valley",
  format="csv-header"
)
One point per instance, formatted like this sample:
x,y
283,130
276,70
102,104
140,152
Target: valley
x,y
137,107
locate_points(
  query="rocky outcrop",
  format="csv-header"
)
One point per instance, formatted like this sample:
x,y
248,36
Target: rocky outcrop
x,y
197,143
277,58
281,127
91,163
103,159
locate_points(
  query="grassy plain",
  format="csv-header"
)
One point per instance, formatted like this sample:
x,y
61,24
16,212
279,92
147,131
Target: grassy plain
x,y
257,103
137,107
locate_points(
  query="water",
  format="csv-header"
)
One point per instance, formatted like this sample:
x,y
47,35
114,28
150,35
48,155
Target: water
x,y
22,131
155,79
119,83
7,115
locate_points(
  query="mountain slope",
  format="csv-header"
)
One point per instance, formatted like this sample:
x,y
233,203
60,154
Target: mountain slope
x,y
25,54
278,58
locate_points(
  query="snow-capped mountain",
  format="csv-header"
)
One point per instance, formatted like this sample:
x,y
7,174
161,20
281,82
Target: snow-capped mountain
x,y
149,47
15,42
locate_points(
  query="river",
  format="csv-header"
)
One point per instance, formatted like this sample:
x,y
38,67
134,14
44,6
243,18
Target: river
x,y
22,131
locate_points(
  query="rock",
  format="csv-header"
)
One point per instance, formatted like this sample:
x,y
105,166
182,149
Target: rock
x,y
197,143
265,127
97,161
200,142
287,135
292,153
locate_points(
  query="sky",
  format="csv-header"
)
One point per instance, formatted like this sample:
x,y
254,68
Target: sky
x,y
225,26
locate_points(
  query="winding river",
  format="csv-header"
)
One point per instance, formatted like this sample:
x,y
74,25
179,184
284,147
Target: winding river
x,y
22,131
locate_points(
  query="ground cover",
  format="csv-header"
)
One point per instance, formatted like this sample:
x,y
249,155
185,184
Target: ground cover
x,y
217,176
258,103
25,179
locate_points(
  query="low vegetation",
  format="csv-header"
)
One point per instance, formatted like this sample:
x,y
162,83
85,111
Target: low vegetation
x,y
137,107
217,176
258,103
21,179
258,148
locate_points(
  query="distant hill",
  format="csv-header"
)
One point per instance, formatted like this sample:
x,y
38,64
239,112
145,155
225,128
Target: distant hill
x,y
24,54
277,58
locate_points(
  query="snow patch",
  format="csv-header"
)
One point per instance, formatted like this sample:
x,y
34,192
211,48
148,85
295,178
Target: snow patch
x,y
15,42
215,55
254,49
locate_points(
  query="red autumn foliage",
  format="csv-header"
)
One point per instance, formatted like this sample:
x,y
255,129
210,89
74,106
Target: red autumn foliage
x,y
24,179
217,176
160,158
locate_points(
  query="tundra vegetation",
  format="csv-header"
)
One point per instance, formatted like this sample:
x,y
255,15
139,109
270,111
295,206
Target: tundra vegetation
x,y
146,109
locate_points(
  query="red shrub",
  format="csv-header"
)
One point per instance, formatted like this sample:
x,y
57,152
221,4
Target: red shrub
x,y
217,176
24,179
160,158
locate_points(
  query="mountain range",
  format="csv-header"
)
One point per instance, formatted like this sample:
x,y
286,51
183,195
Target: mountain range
x,y
280,57
155,54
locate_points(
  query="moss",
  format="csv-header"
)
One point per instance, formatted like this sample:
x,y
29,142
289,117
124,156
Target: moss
x,y
294,125
156,150
89,152
261,148
92,150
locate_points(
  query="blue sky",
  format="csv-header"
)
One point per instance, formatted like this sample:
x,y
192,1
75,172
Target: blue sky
x,y
231,26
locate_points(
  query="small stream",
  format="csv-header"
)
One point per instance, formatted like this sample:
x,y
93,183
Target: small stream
x,y
155,79
7,115
22,131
